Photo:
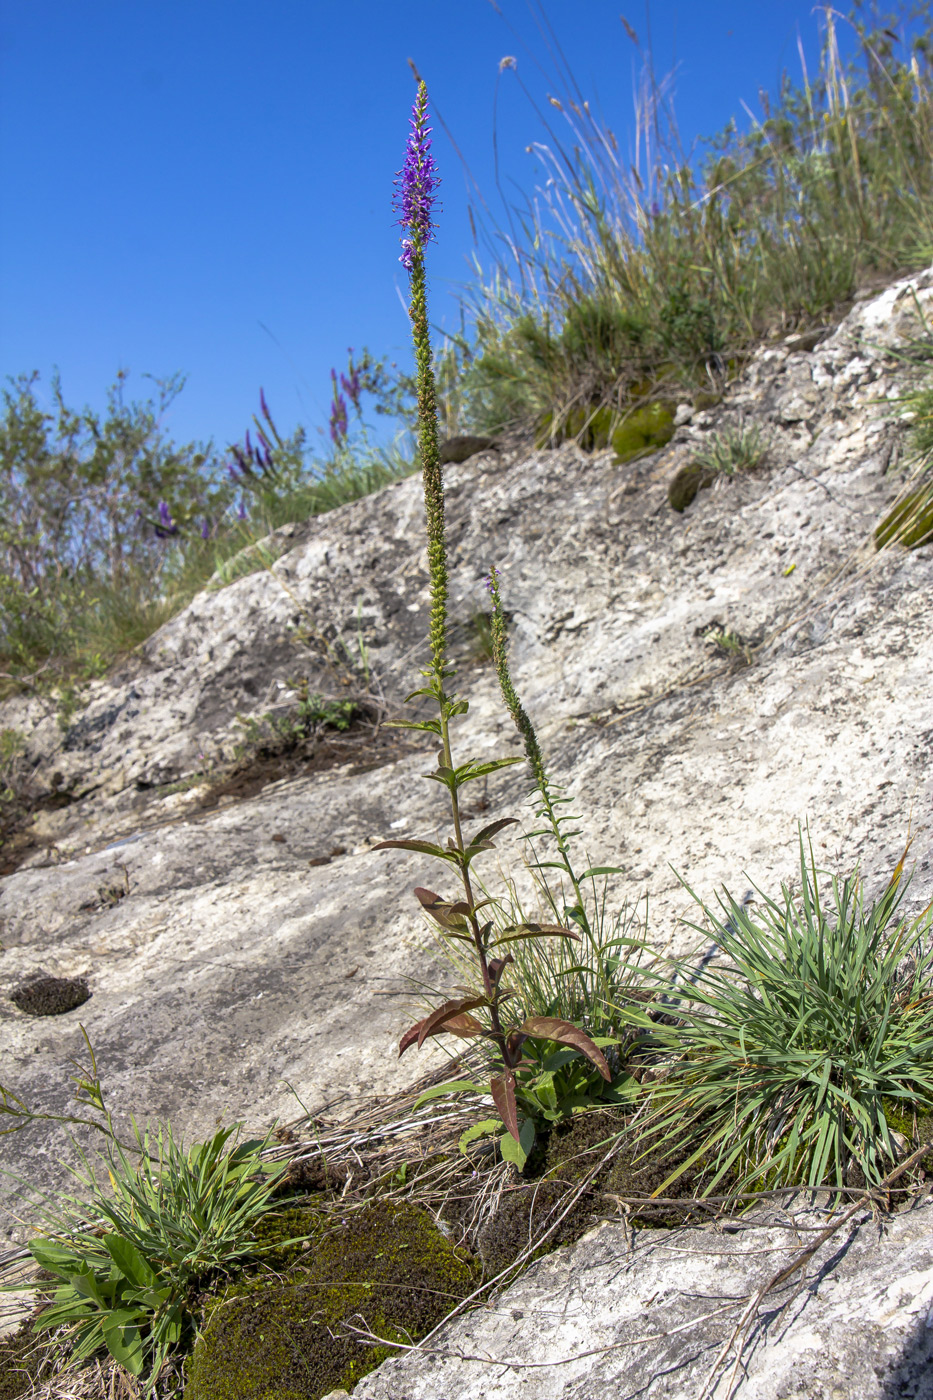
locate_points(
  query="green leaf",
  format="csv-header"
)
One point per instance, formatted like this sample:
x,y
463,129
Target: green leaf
x,y
453,1086
602,870
53,1257
518,1151
129,1261
121,1333
493,829
425,848
433,726
487,1128
468,771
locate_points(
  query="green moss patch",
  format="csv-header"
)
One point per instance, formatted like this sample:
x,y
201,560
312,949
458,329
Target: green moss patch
x,y
280,1336
530,1206
642,430
19,1361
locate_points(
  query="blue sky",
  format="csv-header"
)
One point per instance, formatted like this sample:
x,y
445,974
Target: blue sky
x,y
205,185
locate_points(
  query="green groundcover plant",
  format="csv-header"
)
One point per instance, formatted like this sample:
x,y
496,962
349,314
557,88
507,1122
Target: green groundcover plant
x,y
175,1221
799,1059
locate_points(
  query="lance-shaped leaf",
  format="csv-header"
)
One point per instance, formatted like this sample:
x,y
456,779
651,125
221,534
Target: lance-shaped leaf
x,y
497,966
502,1088
457,1023
566,1033
425,848
433,726
474,769
515,931
493,829
436,1022
449,915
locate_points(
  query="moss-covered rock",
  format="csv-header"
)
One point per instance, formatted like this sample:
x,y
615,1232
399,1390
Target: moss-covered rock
x,y
572,1150
643,430
50,996
910,523
278,1337
19,1361
686,483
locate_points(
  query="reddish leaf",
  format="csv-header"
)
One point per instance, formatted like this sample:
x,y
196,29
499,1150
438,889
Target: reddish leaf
x,y
409,1038
464,1024
514,931
426,848
502,1088
488,832
434,1023
514,1044
497,966
447,915
566,1033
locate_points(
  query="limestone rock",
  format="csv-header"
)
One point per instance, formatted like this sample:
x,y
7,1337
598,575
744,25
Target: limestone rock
x,y
248,958
624,1314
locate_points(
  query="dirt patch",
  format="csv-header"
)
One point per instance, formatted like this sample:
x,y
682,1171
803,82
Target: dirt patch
x,y
365,746
17,841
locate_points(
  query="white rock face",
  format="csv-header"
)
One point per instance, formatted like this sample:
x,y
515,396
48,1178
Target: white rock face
x,y
624,1314
234,969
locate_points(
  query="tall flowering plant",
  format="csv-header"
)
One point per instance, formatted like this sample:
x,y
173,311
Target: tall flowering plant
x,y
482,1012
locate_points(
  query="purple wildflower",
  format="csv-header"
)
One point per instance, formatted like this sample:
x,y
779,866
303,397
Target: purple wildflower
x,y
338,414
351,387
264,407
249,445
416,183
241,513
205,530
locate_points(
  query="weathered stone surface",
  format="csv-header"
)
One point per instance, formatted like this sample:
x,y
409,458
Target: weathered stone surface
x,y
237,964
645,1313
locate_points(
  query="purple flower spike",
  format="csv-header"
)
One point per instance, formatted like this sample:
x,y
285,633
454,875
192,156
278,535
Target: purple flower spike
x,y
416,183
264,407
241,513
165,515
206,530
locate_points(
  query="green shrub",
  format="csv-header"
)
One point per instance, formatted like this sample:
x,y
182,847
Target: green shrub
x,y
172,1223
674,268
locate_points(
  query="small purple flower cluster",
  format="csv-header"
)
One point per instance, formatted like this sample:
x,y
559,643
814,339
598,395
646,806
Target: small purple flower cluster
x,y
339,423
166,526
250,460
416,184
247,458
